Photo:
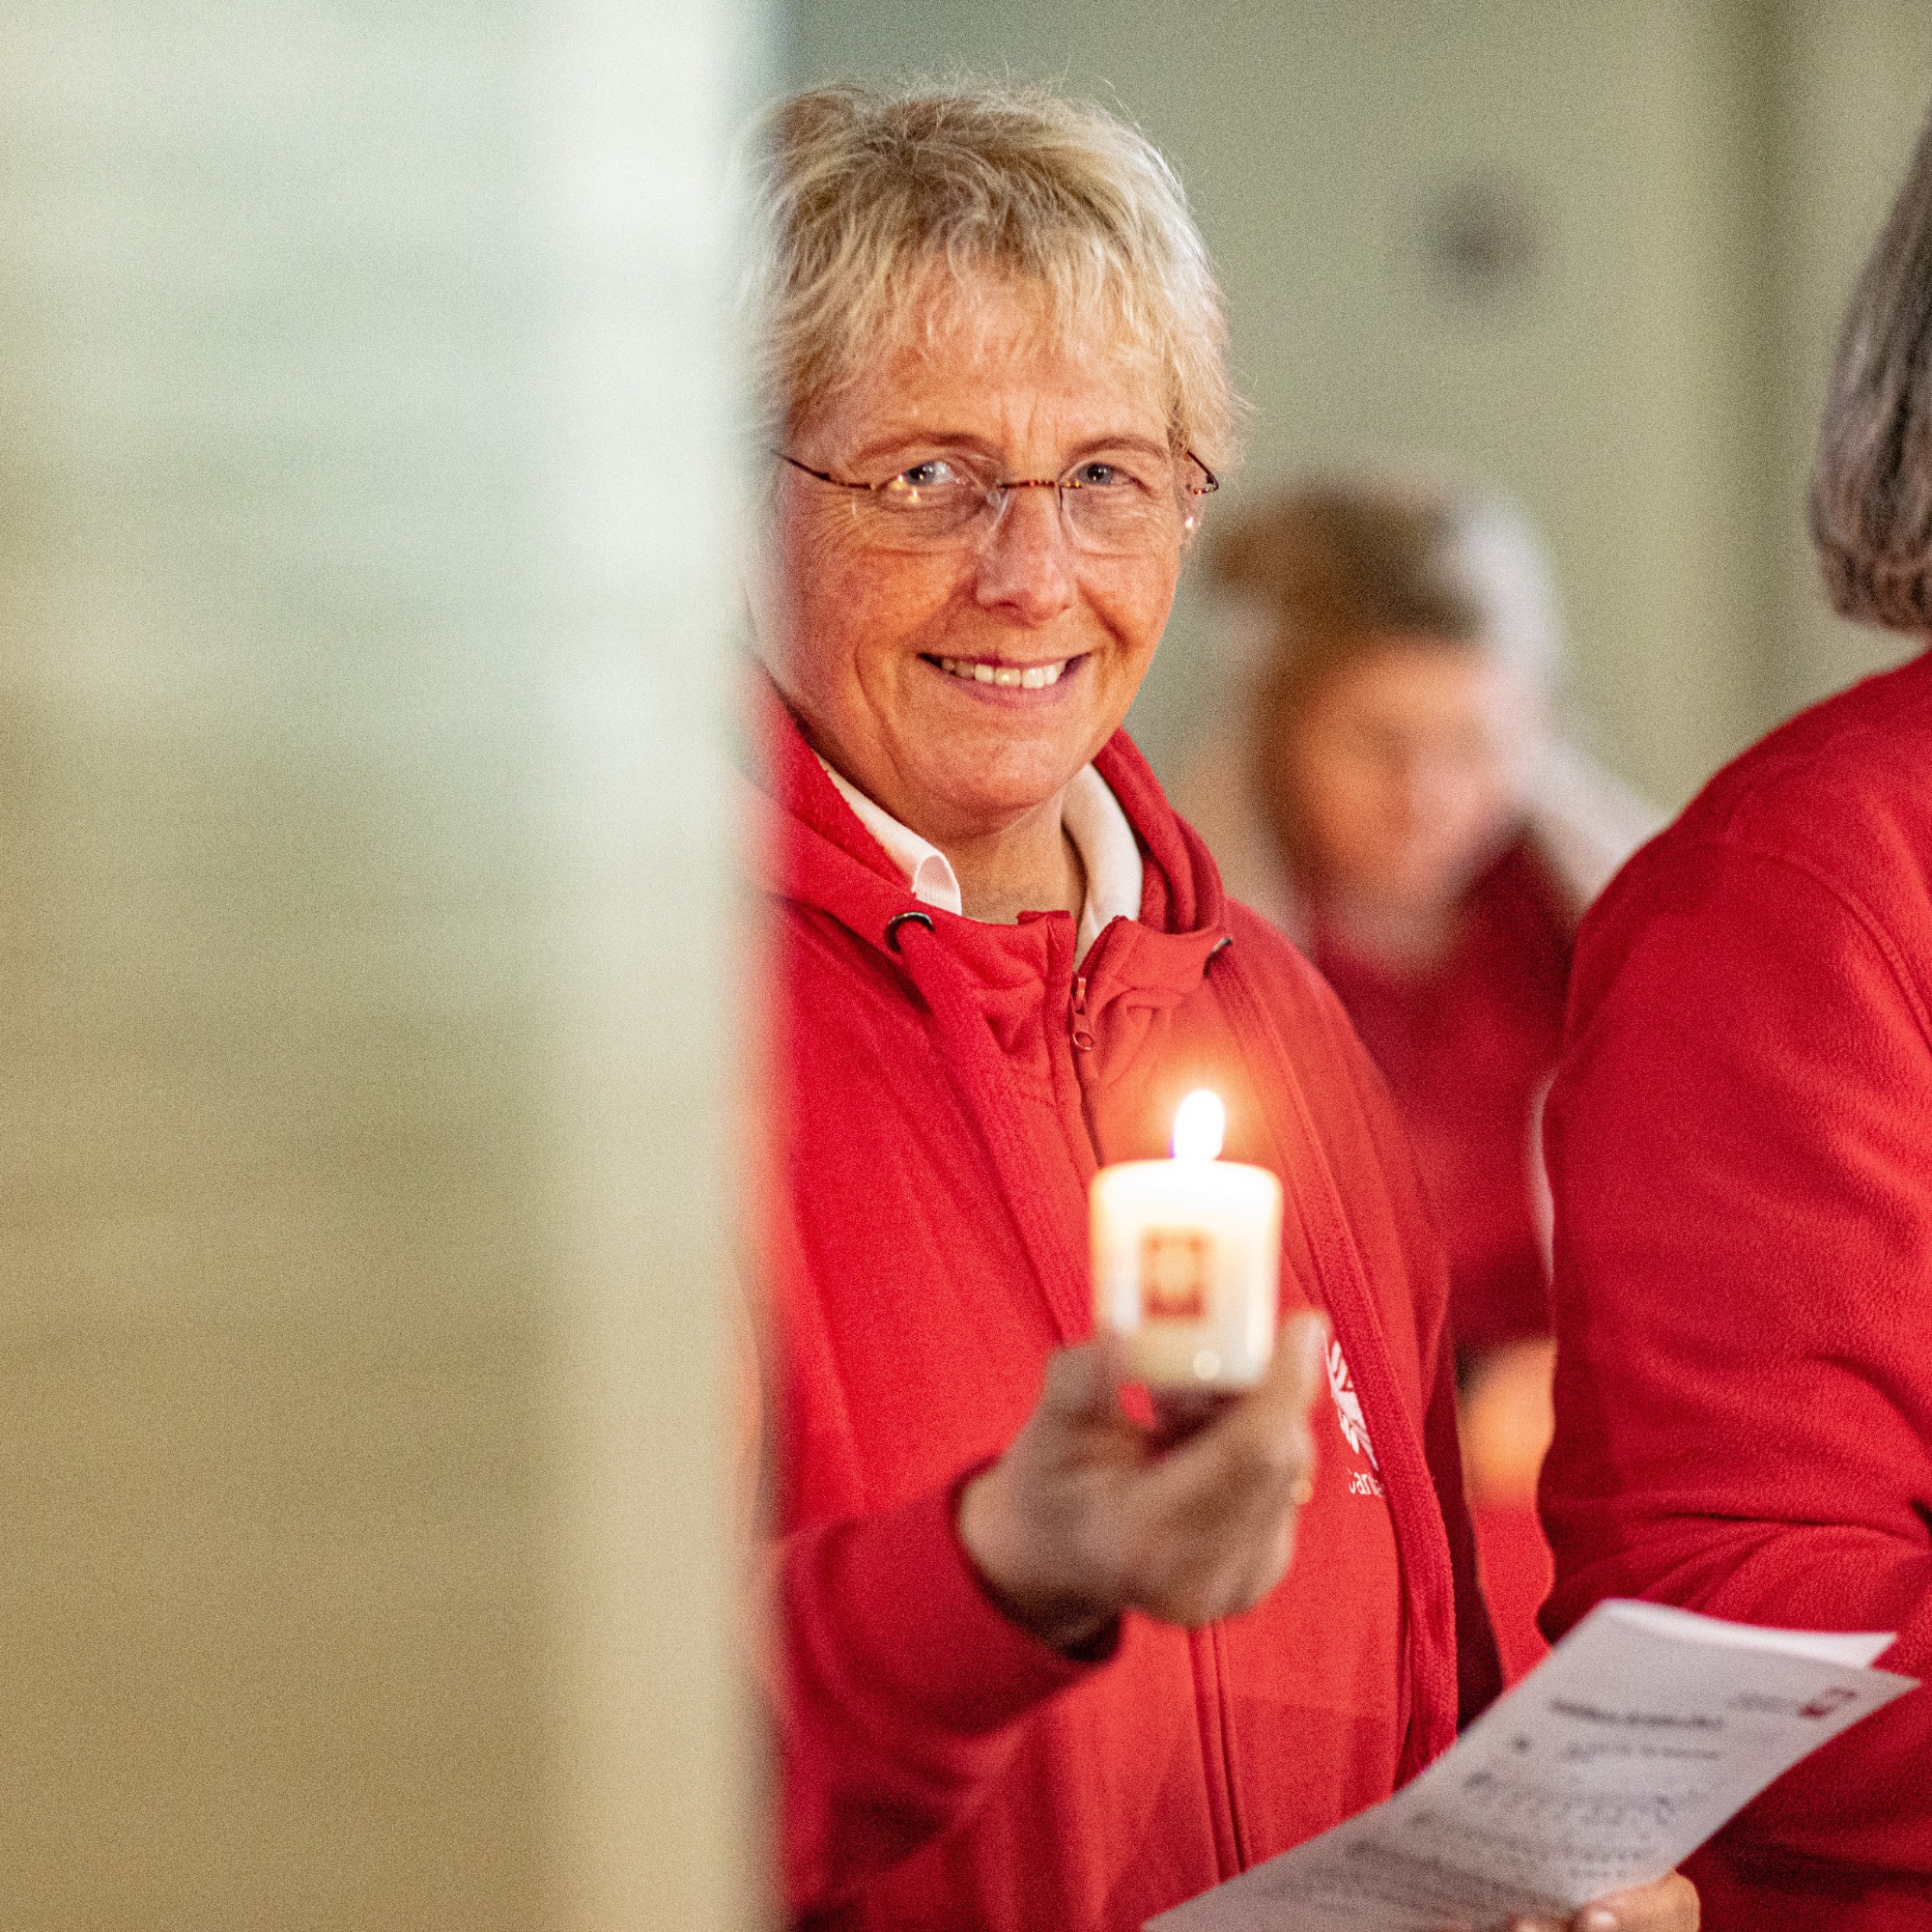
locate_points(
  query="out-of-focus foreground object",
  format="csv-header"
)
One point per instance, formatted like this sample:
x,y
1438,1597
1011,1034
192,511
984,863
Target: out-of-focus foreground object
x,y
365,506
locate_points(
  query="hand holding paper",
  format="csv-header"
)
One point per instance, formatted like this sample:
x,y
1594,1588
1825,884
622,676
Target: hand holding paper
x,y
1641,1733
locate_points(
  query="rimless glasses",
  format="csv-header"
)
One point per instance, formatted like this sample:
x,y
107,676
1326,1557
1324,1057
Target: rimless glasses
x,y
1108,506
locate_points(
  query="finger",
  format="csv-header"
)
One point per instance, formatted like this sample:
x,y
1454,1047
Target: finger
x,y
1083,1383
1178,1414
1207,1528
1299,1368
1294,1373
1224,1499
1670,1905
1267,1434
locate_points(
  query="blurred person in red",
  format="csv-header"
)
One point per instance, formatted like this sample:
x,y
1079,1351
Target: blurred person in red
x,y
1740,1144
1402,809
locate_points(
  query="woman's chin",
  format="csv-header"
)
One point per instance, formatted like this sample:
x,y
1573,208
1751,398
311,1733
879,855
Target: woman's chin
x,y
975,808
1017,761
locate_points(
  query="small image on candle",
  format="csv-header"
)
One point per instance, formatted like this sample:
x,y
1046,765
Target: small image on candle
x,y
1176,1263
1187,1258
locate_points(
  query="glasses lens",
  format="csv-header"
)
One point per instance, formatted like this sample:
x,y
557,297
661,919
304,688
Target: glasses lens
x,y
1109,510
1115,522
1120,512
930,507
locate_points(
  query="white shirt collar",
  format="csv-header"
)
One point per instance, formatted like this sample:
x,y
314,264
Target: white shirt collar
x,y
1105,842
1093,820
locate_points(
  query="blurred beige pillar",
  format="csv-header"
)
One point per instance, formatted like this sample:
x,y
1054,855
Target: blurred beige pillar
x,y
365,504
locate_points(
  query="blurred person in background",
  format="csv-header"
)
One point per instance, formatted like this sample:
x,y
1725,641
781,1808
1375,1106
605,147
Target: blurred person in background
x,y
1740,1145
1397,803
1047,1657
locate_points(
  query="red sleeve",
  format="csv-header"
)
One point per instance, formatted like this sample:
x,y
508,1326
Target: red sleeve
x,y
1741,1147
904,1688
898,1687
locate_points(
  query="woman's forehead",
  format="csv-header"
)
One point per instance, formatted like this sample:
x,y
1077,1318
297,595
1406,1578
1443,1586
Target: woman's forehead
x,y
987,347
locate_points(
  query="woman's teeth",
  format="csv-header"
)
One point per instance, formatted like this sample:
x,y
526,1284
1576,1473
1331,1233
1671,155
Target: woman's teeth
x,y
1034,677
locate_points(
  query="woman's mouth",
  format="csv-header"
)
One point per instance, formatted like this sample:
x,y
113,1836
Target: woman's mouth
x,y
1023,677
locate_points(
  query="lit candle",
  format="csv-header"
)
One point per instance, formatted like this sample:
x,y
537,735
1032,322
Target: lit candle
x,y
1187,1258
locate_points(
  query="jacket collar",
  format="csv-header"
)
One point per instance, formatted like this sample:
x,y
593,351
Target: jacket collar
x,y
815,851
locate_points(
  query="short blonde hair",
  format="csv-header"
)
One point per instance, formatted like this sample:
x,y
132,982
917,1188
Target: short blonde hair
x,y
1871,488
859,197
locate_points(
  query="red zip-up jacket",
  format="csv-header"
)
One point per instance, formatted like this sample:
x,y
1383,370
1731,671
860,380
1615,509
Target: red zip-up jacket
x,y
943,1089
1740,1141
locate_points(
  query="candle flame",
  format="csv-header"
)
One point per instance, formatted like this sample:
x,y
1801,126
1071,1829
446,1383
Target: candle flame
x,y
1199,1124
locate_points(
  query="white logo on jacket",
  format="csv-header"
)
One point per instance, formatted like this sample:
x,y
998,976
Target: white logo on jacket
x,y
1348,1406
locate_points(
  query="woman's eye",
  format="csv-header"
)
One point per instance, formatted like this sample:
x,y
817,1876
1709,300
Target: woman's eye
x,y
935,474
1104,476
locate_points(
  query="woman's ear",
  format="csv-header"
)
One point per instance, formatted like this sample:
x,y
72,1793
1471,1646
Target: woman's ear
x,y
758,570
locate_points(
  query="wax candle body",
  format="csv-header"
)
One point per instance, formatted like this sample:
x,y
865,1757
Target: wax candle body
x,y
1187,1265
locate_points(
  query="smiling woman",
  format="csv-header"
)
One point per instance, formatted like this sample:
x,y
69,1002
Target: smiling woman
x,y
962,671
1046,1657
987,376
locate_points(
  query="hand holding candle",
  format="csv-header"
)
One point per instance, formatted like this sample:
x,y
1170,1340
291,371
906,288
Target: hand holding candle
x,y
1088,1514
1187,1258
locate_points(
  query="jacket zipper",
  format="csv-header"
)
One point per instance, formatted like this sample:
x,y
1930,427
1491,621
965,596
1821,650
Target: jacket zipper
x,y
1202,1649
1083,1035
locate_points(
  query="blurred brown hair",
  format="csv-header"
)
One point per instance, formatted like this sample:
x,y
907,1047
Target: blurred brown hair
x,y
1340,568
1871,487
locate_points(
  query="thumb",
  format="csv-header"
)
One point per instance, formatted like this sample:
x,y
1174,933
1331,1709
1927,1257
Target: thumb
x,y
1299,1370
1083,1383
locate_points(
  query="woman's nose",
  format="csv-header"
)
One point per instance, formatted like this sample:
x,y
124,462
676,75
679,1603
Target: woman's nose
x,y
1025,564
